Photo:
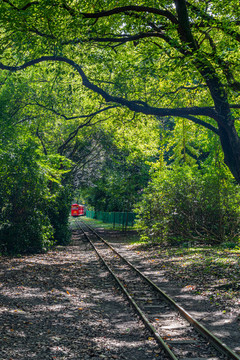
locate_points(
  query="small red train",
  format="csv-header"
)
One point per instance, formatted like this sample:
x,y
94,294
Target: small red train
x,y
77,210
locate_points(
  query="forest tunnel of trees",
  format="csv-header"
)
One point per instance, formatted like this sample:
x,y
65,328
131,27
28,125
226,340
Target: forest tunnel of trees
x,y
126,107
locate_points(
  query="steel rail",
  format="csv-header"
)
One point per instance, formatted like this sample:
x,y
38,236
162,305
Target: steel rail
x,y
224,349
155,334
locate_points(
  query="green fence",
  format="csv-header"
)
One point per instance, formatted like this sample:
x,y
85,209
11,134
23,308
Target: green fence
x,y
124,219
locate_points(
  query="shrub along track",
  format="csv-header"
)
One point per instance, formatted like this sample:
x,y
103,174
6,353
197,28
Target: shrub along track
x,y
159,312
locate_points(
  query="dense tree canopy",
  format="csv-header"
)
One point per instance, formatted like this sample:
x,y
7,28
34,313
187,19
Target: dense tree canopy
x,y
163,58
115,178
96,93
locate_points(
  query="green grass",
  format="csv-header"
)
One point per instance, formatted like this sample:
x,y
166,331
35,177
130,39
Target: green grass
x,y
138,241
97,223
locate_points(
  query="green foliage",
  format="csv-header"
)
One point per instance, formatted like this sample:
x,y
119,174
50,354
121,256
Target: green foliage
x,y
33,215
229,245
122,175
24,197
184,202
59,213
114,72
34,206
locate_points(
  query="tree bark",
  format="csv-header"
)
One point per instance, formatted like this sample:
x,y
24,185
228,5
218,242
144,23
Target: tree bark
x,y
231,148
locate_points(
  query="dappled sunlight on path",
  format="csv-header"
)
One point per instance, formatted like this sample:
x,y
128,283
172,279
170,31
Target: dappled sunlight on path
x,y
63,305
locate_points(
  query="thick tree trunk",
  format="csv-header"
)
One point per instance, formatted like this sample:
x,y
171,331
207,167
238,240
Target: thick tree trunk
x,y
231,148
229,138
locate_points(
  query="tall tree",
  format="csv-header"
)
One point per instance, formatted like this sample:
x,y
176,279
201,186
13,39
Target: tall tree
x,y
164,58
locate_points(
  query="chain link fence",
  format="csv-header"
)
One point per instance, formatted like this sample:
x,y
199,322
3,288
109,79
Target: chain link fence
x,y
123,219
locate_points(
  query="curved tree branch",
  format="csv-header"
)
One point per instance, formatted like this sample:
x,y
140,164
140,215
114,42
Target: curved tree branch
x,y
73,117
203,123
41,140
74,133
136,106
234,106
25,7
123,9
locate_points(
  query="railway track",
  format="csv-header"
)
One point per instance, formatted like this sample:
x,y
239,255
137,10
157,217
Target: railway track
x,y
181,336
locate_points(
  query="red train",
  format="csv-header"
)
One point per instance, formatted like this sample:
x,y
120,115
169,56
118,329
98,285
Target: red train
x,y
77,210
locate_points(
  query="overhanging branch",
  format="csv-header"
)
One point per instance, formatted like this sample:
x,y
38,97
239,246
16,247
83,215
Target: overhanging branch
x,y
73,117
25,7
74,133
203,123
136,106
123,9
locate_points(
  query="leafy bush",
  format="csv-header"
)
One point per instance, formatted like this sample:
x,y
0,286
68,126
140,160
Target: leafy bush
x,y
29,236
34,206
59,215
24,197
185,202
